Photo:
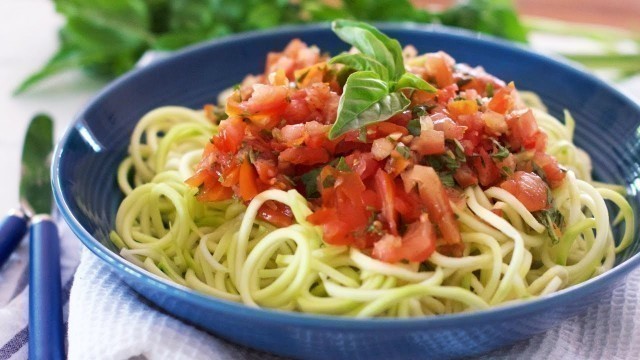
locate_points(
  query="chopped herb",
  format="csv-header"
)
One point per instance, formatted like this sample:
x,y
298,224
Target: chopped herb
x,y
489,89
507,171
342,165
538,170
502,152
414,127
553,221
421,110
447,179
403,150
310,181
302,76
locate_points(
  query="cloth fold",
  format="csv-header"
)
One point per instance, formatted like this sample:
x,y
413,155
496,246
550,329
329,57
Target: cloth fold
x,y
109,320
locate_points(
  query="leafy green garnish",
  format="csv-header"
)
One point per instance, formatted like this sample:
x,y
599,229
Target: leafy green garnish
x,y
403,150
372,93
310,181
107,37
553,221
342,165
414,127
501,153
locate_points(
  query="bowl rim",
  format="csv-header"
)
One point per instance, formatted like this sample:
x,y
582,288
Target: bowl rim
x,y
502,312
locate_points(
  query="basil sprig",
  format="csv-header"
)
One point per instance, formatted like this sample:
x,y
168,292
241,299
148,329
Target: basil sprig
x,y
373,92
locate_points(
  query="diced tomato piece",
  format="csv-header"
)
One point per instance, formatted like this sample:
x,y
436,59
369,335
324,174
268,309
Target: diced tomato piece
x,y
488,172
304,155
334,230
462,107
293,135
494,122
451,130
230,135
408,205
276,213
435,198
523,130
502,100
430,142
386,189
438,67
209,188
549,165
247,181
364,164
266,170
464,176
528,188
417,244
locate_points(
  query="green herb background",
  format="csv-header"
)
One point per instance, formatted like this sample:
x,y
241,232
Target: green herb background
x,y
107,37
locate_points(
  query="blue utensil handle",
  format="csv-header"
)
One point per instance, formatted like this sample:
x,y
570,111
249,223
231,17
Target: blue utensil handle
x,y
12,230
46,334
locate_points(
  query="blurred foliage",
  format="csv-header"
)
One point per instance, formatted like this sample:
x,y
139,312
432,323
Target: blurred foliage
x,y
107,37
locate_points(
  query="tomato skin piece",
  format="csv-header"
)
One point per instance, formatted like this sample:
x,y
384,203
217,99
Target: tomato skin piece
x,y
209,188
304,155
502,100
464,176
364,164
386,189
435,198
462,107
334,230
247,181
549,165
276,214
230,135
528,188
417,244
430,142
488,172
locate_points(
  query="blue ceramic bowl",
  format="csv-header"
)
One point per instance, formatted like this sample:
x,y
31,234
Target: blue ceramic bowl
x,y
84,173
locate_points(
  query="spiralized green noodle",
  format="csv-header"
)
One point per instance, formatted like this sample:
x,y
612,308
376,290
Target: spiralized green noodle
x,y
222,250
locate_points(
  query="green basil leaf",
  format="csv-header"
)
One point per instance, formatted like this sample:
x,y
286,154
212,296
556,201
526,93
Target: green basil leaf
x,y
371,42
366,100
412,81
127,17
65,59
360,62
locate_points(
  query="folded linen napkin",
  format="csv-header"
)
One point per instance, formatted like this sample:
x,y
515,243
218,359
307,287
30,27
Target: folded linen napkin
x,y
108,320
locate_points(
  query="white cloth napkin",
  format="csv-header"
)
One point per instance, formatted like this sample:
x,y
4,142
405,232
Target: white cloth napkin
x,y
108,320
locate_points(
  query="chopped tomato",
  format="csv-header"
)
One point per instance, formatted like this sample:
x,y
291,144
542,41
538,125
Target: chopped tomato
x,y
417,244
549,165
430,142
364,164
276,213
528,188
464,176
488,172
438,67
450,129
386,189
304,155
462,107
502,100
230,135
247,181
435,198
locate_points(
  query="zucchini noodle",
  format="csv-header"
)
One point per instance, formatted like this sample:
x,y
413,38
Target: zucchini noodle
x,y
223,250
